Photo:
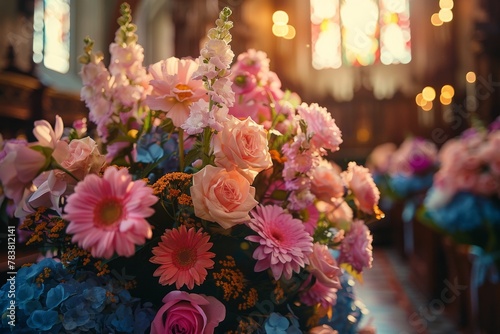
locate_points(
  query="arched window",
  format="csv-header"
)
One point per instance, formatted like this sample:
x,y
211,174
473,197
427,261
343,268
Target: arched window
x,y
51,40
360,32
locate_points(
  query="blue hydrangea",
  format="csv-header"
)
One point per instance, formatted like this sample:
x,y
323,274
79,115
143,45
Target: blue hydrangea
x,y
278,324
465,212
404,186
71,302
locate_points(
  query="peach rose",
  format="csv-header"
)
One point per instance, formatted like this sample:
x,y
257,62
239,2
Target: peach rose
x,y
326,182
222,196
242,145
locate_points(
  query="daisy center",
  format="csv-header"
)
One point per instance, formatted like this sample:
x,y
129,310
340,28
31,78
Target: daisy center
x,y
277,236
184,91
184,258
108,212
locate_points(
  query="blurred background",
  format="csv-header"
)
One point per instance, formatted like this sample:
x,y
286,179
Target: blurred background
x,y
387,70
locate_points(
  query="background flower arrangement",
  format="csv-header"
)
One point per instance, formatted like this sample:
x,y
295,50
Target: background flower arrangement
x,y
207,197
464,201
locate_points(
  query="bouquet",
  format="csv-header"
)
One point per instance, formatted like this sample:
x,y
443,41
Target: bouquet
x,y
206,203
464,201
412,167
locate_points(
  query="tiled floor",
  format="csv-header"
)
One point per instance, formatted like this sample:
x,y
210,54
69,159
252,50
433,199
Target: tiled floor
x,y
395,305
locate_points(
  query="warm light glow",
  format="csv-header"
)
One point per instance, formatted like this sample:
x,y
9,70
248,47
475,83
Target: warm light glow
x,y
363,135
435,20
280,30
470,77
323,10
359,41
446,4
446,15
419,99
444,100
291,32
427,106
447,91
51,28
429,94
280,17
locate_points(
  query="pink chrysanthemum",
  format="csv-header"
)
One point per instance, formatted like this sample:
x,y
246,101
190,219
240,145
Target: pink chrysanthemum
x,y
108,214
356,248
284,244
319,294
183,257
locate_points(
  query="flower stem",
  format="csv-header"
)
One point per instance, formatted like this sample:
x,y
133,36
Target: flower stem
x,y
55,165
207,135
181,149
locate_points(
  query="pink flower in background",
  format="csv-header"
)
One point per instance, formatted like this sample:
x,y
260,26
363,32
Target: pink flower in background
x,y
191,313
379,160
183,256
360,182
326,182
107,214
222,196
284,245
174,89
356,248
414,156
324,266
19,165
321,126
242,145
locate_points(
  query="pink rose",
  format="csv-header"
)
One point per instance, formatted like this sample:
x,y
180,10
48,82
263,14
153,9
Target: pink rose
x,y
242,145
360,181
222,196
188,313
323,329
326,182
324,267
83,158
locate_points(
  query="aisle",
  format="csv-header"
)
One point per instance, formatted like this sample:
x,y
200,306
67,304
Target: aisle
x,y
395,306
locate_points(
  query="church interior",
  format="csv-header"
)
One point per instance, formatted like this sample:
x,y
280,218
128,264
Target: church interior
x,y
386,70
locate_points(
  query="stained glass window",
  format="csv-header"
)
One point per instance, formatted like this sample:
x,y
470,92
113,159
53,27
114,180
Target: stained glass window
x,y
51,34
360,32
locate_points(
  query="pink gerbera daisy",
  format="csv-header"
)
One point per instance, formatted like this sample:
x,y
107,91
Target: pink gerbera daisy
x,y
108,214
183,257
284,246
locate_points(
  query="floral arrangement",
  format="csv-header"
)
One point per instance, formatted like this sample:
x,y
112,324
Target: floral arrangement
x,y
412,167
206,205
464,201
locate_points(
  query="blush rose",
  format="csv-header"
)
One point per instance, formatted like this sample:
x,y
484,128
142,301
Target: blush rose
x,y
188,313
